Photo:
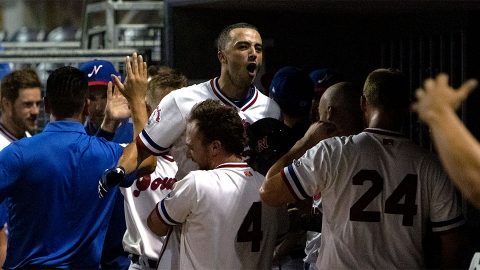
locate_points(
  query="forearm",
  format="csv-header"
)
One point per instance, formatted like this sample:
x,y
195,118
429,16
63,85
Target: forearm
x,y
274,191
459,153
298,149
139,116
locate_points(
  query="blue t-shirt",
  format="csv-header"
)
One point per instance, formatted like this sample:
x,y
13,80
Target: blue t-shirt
x,y
56,219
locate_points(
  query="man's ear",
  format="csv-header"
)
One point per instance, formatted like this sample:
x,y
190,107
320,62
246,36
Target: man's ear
x,y
363,103
221,57
330,113
215,147
5,104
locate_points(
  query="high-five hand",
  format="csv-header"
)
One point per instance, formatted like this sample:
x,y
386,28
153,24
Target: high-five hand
x,y
135,86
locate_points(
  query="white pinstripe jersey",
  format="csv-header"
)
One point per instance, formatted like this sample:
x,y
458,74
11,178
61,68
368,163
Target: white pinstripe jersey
x,y
224,224
140,199
166,125
379,191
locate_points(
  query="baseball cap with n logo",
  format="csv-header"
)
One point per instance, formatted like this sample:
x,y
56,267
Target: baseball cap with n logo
x,y
98,71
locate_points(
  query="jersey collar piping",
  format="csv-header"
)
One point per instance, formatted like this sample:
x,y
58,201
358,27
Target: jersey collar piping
x,y
250,100
233,165
7,134
384,132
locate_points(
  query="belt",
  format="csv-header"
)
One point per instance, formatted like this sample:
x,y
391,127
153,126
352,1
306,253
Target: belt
x,y
136,259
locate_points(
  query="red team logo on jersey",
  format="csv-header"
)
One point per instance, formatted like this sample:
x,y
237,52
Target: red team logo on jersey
x,y
248,173
155,116
145,182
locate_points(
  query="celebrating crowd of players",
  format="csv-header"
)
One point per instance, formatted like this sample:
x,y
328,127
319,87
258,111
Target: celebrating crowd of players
x,y
209,176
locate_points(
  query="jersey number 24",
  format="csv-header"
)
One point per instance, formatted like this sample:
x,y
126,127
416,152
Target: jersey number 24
x,y
407,189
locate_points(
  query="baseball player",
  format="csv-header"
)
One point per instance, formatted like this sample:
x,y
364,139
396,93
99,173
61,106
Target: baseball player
x,y
19,106
379,190
99,73
224,224
240,55
144,246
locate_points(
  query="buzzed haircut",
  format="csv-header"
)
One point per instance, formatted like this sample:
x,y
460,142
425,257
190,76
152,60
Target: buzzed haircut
x,y
18,79
165,81
224,36
345,97
387,89
67,91
216,121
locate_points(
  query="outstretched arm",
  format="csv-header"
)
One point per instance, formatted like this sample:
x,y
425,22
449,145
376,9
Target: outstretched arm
x,y
134,89
459,151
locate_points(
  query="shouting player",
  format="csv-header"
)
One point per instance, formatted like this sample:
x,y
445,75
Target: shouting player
x,y
379,190
240,54
224,224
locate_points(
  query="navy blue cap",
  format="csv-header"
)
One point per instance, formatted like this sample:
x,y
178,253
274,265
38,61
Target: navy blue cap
x,y
292,89
98,71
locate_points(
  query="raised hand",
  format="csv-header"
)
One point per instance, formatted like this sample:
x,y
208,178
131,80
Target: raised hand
x,y
116,109
135,86
117,105
437,96
318,131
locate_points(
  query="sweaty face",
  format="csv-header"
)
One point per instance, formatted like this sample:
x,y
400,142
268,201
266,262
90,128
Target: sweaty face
x,y
24,111
196,149
244,56
98,100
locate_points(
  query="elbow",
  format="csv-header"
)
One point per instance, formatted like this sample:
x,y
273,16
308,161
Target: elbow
x,y
154,228
269,197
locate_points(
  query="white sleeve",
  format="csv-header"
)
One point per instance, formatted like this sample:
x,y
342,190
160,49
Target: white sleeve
x,y
309,174
165,125
446,207
176,207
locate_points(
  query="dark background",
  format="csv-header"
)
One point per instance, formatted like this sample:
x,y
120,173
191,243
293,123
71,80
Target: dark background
x,y
421,38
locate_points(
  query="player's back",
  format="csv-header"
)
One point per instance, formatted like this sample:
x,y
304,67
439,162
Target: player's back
x,y
380,191
229,228
56,218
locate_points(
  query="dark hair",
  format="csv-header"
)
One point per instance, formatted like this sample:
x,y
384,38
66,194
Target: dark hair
x,y
224,36
216,121
18,79
387,89
67,90
165,80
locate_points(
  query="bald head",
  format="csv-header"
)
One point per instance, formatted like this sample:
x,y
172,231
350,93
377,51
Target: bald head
x,y
340,104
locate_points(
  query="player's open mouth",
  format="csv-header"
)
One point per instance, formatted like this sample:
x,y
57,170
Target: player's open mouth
x,y
251,68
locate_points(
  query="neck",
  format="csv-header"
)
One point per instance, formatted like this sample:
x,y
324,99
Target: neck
x,y
232,89
227,158
75,118
384,120
11,127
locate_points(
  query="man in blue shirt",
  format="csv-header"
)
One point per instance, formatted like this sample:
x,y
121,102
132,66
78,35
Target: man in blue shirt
x,y
98,74
56,219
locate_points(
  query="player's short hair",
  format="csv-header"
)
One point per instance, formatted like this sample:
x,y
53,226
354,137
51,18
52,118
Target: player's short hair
x,y
18,79
164,81
224,36
387,89
67,91
216,121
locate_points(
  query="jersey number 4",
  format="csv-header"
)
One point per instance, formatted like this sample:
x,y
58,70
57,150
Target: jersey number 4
x,y
251,228
407,189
